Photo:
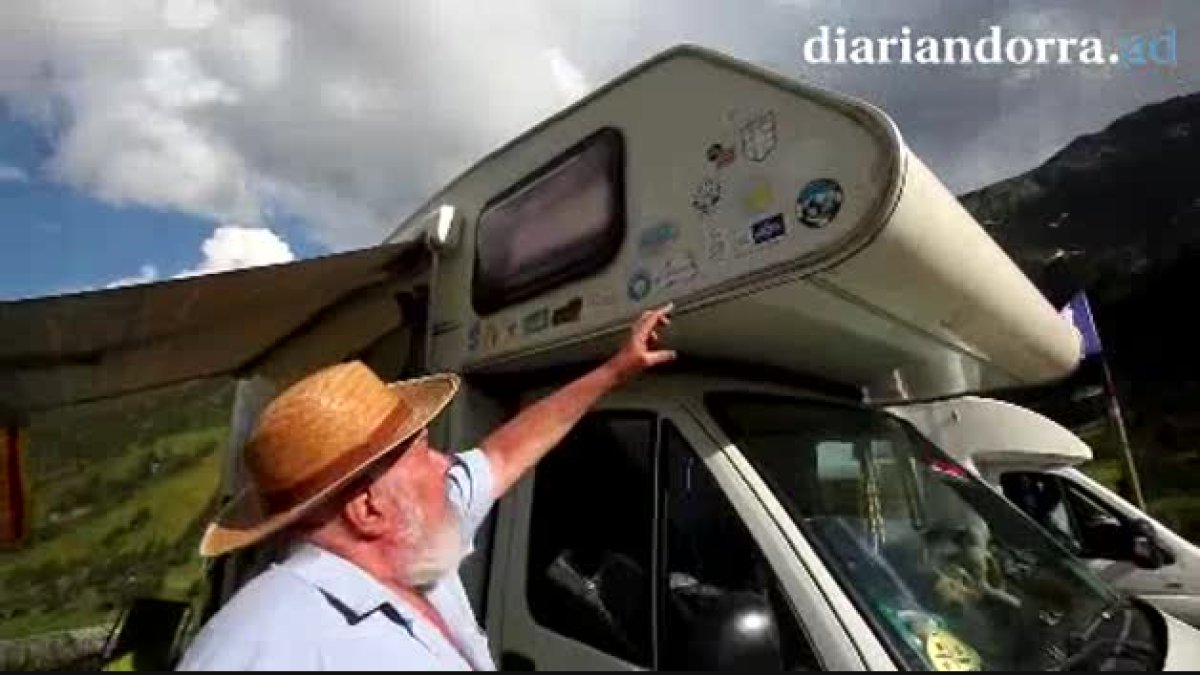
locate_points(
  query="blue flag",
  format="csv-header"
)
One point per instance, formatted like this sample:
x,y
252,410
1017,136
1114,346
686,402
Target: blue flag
x,y
1079,313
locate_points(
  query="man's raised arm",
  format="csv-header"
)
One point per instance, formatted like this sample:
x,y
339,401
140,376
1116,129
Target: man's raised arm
x,y
522,441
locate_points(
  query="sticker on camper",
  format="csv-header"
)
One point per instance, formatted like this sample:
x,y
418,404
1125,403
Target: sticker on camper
x,y
720,155
819,202
536,321
768,229
757,195
568,313
602,298
639,285
491,336
677,269
656,239
473,336
706,196
717,244
758,137
443,327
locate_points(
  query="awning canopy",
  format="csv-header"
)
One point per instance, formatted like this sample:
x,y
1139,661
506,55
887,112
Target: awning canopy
x,y
70,349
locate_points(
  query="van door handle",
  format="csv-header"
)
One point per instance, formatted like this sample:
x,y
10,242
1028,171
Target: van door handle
x,y
516,661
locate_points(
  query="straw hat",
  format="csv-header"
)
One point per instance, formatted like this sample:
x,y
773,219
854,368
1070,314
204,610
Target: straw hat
x,y
316,437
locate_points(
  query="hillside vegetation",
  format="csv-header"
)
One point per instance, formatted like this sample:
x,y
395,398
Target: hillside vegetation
x,y
1117,213
121,491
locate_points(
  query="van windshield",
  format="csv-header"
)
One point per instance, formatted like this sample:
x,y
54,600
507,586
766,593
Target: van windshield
x,y
949,573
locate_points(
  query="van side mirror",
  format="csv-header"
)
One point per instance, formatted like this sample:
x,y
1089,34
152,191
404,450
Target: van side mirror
x,y
1145,551
736,632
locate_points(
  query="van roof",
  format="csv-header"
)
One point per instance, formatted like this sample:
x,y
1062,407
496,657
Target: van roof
x,y
791,227
984,430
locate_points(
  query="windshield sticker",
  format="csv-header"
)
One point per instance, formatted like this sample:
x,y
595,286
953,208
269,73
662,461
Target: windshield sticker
x,y
768,229
943,468
568,313
706,196
758,137
947,652
536,321
819,202
720,155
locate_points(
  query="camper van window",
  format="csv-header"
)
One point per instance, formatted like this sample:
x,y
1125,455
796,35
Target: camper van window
x,y
589,566
1065,509
562,222
953,571
709,557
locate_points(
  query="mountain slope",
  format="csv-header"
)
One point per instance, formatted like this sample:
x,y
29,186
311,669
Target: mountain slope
x,y
1117,213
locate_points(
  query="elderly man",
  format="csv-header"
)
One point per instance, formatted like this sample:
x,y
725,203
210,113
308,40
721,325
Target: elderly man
x,y
342,463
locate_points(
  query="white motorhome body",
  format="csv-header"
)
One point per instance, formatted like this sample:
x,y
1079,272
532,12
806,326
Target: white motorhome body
x,y
1035,461
743,507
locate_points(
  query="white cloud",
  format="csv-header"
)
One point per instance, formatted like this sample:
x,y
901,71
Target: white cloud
x,y
12,174
233,247
145,275
349,115
230,247
346,116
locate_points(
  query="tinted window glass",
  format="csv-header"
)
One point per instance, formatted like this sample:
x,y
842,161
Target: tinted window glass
x,y
710,564
592,527
563,222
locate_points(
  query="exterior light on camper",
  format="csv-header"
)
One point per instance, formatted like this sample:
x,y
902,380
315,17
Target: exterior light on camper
x,y
443,230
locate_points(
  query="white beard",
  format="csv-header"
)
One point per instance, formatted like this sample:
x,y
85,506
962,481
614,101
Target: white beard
x,y
436,554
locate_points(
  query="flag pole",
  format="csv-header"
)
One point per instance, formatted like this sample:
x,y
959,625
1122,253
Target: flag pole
x,y
1114,406
1114,411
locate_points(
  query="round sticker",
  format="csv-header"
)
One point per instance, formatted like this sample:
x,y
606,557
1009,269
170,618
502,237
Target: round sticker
x,y
819,202
639,285
948,653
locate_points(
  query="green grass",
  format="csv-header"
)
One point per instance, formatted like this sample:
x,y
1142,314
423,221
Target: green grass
x,y
52,622
1104,471
121,468
173,503
149,522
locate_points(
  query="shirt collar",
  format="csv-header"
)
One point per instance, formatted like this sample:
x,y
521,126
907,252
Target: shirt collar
x,y
348,587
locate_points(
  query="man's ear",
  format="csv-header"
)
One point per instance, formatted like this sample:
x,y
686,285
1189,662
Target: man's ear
x,y
368,513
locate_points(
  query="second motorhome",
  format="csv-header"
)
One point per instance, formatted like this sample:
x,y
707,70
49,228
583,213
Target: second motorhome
x,y
750,506
1035,462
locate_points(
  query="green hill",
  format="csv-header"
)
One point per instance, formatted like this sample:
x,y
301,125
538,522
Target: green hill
x,y
120,493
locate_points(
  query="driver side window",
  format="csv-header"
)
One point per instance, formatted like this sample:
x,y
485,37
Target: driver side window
x,y
1069,513
713,577
625,501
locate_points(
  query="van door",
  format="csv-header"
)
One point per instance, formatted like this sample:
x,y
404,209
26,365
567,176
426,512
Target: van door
x,y
1091,527
623,553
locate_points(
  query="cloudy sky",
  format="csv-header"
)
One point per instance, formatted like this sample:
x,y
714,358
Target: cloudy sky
x,y
147,139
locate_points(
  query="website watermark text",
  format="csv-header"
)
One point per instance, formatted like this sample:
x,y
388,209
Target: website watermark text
x,y
835,45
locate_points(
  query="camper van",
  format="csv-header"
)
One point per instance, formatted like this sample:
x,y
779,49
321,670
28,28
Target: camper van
x,y
1034,461
750,506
